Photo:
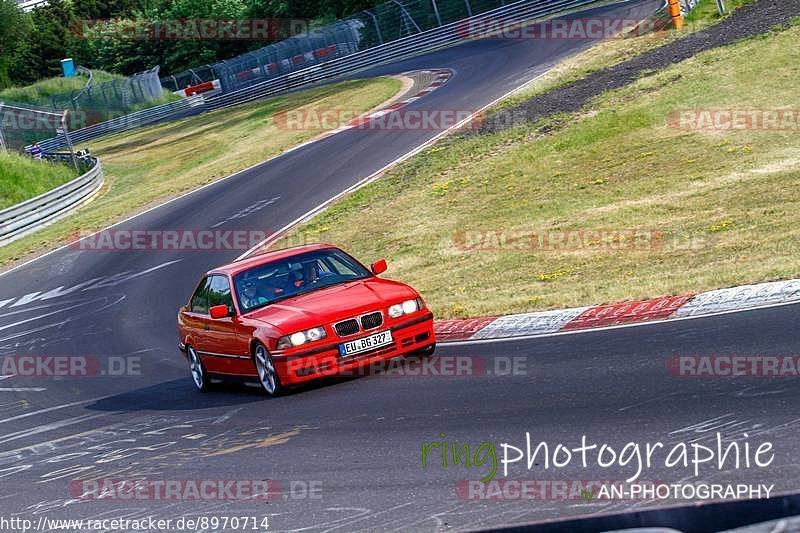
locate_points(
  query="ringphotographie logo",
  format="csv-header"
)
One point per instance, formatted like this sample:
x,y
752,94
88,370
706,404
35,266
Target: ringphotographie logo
x,y
687,458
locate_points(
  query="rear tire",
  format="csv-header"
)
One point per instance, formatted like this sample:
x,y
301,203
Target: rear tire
x,y
267,375
198,371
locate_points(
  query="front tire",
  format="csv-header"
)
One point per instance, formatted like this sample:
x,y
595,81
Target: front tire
x,y
198,371
267,375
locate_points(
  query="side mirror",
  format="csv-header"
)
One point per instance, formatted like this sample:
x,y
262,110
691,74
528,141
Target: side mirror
x,y
378,266
219,311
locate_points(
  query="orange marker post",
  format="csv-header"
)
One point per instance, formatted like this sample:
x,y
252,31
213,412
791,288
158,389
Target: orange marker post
x,y
675,13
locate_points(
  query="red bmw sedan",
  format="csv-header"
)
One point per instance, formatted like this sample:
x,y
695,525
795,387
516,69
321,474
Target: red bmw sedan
x,y
294,315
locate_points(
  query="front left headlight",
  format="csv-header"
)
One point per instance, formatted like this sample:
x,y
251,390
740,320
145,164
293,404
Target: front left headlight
x,y
301,337
405,308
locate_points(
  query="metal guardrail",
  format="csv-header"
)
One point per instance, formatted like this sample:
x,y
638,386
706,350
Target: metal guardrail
x,y
412,45
440,37
31,215
125,122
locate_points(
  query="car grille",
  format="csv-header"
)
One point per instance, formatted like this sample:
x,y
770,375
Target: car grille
x,y
346,327
372,320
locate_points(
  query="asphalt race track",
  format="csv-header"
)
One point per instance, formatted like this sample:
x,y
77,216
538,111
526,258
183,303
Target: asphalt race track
x,y
347,452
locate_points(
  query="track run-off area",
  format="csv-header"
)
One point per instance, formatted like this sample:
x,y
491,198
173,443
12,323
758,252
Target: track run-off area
x,y
346,454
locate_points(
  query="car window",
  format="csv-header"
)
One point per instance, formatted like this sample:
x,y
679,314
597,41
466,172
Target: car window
x,y
199,302
298,274
219,292
338,267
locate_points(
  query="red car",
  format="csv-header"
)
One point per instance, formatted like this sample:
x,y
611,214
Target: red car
x,y
294,315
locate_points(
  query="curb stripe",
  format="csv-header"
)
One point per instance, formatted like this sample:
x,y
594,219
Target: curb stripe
x,y
619,314
442,77
626,312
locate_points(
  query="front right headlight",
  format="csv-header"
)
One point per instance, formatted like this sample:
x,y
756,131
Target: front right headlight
x,y
301,337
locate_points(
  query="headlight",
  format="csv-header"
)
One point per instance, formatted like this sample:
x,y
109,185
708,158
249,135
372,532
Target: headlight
x,y
409,306
405,308
301,337
396,310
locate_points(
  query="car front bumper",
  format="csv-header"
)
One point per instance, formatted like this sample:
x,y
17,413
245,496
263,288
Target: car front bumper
x,y
411,335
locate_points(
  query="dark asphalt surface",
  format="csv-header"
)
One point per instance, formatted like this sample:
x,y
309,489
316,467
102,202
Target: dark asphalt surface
x,y
356,443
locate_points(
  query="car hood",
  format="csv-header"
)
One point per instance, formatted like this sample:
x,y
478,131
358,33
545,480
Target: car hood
x,y
331,304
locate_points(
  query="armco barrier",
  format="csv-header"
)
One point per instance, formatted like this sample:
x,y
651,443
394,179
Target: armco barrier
x,y
30,215
440,37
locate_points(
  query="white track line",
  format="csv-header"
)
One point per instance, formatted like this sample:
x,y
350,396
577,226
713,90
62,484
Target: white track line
x,y
47,410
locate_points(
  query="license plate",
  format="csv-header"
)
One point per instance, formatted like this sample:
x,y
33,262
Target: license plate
x,y
363,344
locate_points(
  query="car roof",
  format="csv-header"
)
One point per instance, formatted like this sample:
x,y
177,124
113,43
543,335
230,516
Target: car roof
x,y
235,267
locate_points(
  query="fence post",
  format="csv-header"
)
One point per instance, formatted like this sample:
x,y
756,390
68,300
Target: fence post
x,y
721,7
65,130
2,139
378,26
469,8
436,12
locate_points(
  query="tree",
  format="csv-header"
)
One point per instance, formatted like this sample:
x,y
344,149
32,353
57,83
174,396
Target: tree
x,y
104,9
13,34
51,40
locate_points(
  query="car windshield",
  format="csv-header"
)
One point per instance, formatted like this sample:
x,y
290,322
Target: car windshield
x,y
298,274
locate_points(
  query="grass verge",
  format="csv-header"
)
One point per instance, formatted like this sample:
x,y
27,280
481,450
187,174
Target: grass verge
x,y
41,91
152,164
726,202
22,178
613,51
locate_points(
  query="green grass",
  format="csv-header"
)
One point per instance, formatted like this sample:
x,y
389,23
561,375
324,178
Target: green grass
x,y
727,203
707,10
22,178
43,90
613,51
151,164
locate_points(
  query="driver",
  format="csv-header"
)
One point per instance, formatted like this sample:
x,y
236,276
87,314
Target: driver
x,y
249,296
